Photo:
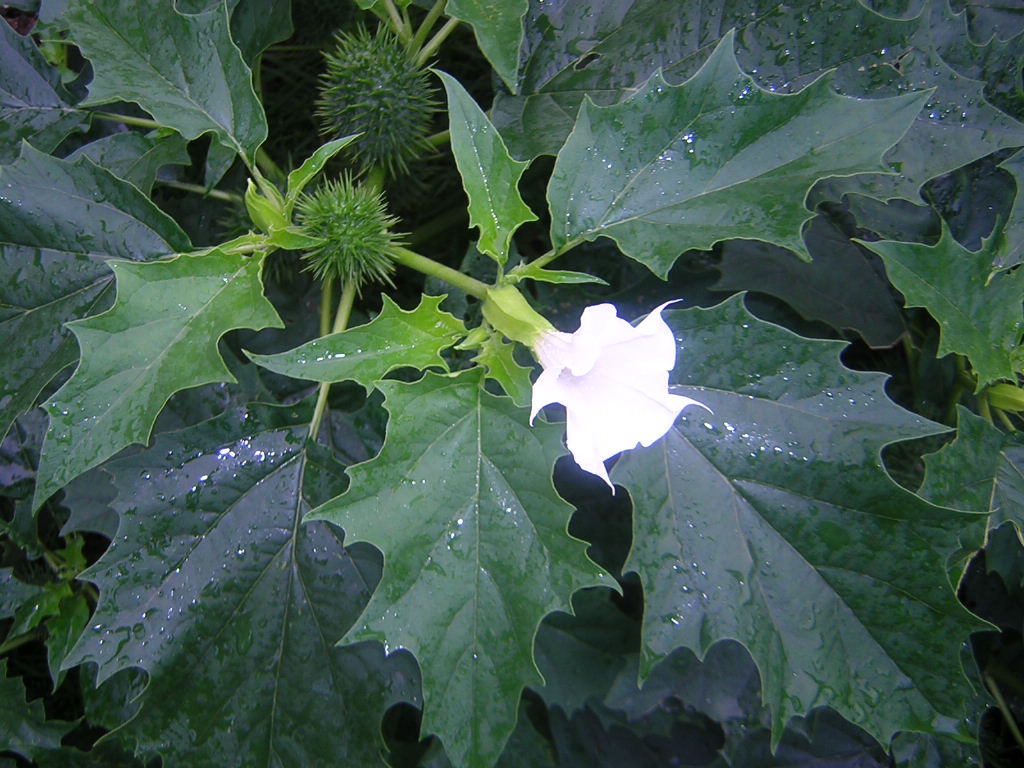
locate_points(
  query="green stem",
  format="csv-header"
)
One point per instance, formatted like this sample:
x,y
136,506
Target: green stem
x,y
348,297
25,637
954,399
217,194
439,139
326,303
140,122
397,23
292,48
547,258
55,562
269,167
375,179
428,24
1001,415
1008,718
436,269
984,409
969,380
435,42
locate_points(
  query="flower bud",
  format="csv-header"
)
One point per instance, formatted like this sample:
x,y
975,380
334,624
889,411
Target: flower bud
x,y
1006,397
266,213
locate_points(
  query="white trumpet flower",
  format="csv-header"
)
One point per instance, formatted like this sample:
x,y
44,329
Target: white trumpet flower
x,y
612,379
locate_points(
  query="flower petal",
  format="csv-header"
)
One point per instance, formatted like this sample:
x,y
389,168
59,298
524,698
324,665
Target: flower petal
x,y
546,390
612,379
581,439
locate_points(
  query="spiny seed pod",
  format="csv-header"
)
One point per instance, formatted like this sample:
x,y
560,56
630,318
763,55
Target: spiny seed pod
x,y
356,229
372,86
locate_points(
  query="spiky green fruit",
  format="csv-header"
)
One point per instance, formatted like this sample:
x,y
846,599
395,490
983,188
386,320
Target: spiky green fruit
x,y
356,228
372,86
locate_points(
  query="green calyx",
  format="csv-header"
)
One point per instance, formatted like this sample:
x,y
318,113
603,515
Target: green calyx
x,y
357,244
507,310
265,206
1006,397
372,86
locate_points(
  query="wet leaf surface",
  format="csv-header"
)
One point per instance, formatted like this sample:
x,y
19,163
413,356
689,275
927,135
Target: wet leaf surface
x,y
679,167
159,337
135,157
394,338
982,470
59,222
489,175
33,104
475,547
212,570
606,51
979,313
182,68
498,26
772,522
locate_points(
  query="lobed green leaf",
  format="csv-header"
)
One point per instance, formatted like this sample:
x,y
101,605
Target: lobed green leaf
x,y
979,313
24,728
982,470
679,167
33,105
211,571
184,69
498,26
394,339
476,552
135,157
1010,243
498,356
159,337
60,221
774,523
604,50
489,175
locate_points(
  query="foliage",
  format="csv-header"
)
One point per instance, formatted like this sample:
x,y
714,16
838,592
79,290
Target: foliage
x,y
270,490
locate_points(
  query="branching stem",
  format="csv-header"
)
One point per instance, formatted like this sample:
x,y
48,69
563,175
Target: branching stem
x,y
547,258
439,139
984,407
428,24
413,260
217,194
138,122
348,297
397,22
430,48
1008,718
